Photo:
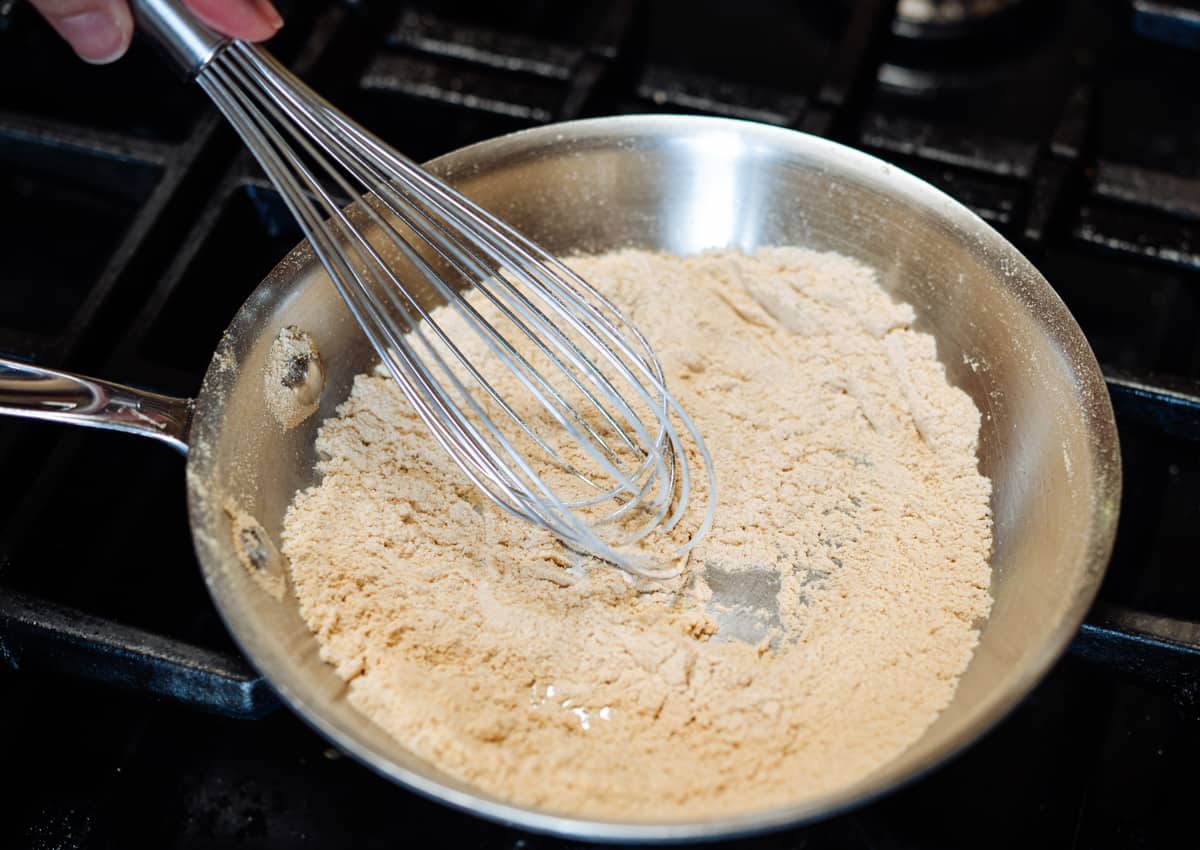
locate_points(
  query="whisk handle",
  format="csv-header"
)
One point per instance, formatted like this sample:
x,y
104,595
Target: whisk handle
x,y
188,44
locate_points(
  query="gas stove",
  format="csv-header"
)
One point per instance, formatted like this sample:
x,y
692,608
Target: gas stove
x,y
136,227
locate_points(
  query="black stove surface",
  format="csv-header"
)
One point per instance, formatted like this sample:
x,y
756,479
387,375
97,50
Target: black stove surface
x,y
1073,127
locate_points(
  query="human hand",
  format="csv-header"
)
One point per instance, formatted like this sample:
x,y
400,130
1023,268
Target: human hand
x,y
100,30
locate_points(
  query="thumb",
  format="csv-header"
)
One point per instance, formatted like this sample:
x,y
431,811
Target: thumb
x,y
252,20
98,30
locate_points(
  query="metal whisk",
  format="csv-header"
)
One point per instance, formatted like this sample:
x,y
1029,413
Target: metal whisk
x,y
593,446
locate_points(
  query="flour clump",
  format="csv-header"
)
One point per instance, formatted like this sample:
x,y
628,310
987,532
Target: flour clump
x,y
815,632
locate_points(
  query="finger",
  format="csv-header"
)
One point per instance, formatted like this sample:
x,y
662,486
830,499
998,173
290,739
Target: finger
x,y
98,30
252,20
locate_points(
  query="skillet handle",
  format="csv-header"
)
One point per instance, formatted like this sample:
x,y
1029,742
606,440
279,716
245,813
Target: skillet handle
x,y
35,393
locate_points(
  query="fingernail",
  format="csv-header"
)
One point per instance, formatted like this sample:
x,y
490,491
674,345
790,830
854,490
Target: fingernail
x,y
96,36
269,13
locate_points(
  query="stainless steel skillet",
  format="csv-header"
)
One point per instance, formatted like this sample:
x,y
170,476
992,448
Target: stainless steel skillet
x,y
679,184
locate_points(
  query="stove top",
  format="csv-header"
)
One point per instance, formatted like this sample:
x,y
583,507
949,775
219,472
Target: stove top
x,y
1071,126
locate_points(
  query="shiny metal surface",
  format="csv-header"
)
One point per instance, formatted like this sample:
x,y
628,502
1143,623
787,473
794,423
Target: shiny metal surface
x,y
684,184
186,42
35,393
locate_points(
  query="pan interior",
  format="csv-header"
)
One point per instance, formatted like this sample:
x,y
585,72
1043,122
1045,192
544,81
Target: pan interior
x,y
683,185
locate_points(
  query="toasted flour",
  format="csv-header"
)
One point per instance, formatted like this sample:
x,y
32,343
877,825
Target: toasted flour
x,y
816,632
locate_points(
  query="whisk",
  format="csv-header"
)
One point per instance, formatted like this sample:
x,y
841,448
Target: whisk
x,y
593,447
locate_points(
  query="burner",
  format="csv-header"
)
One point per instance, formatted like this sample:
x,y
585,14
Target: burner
x,y
948,47
1176,22
949,19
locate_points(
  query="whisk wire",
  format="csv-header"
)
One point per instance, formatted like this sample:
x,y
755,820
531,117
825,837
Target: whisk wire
x,y
268,152
469,267
578,303
532,292
399,205
668,486
624,486
545,509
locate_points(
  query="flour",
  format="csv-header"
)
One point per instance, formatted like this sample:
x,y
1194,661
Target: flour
x,y
816,632
255,551
293,378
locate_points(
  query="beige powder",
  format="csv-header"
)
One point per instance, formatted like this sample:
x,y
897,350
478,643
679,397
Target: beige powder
x,y
293,378
254,550
847,567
